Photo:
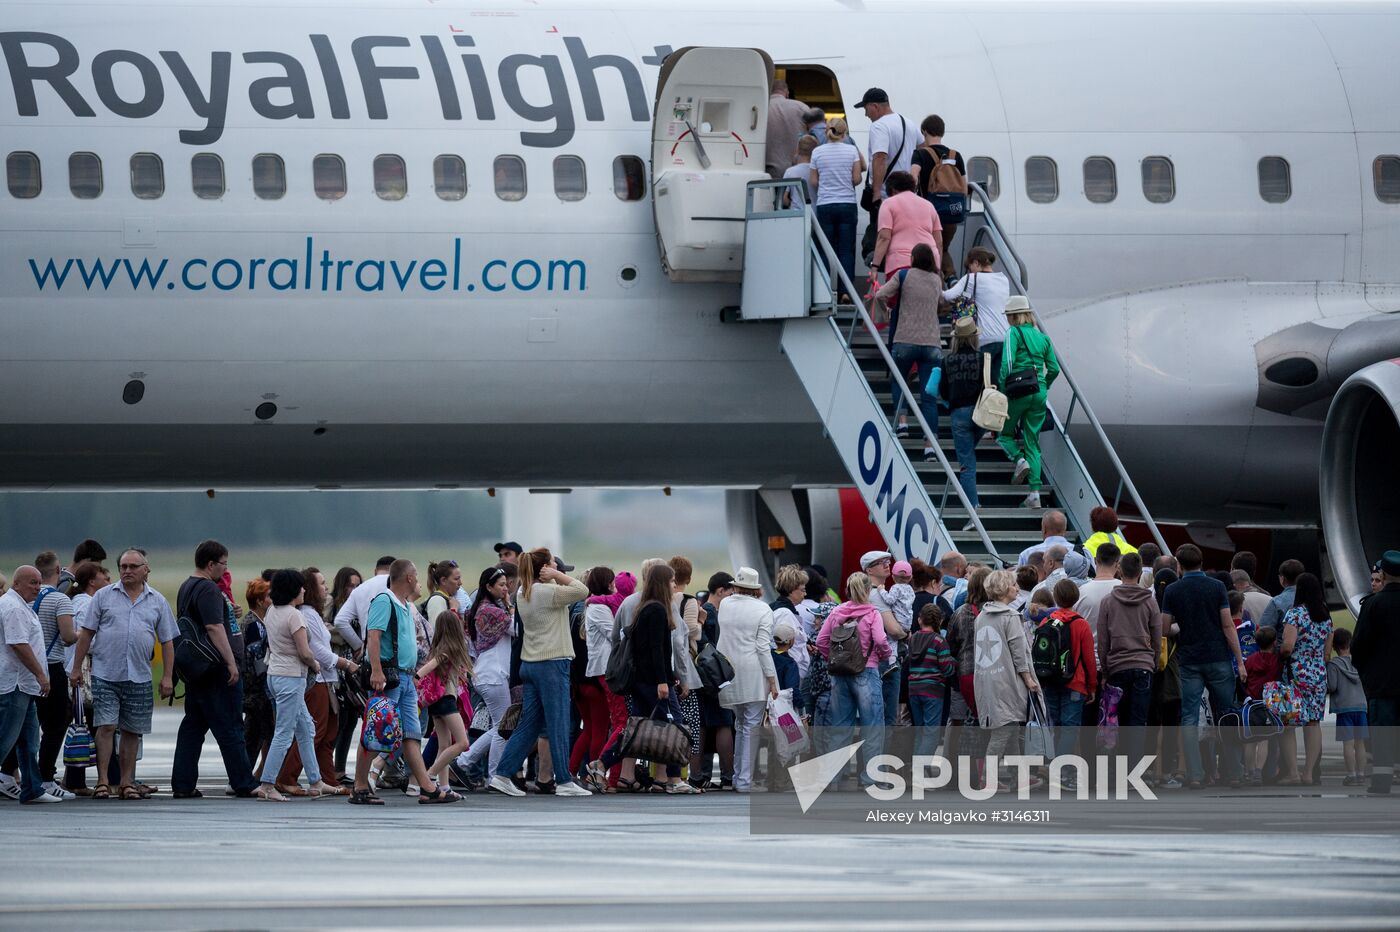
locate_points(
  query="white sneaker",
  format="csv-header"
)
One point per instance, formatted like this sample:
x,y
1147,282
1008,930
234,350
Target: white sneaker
x,y
571,789
1031,501
503,785
43,798
53,789
1023,470
8,787
970,525
412,790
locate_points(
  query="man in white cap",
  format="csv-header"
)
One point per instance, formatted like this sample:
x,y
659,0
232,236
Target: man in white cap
x,y
746,639
877,564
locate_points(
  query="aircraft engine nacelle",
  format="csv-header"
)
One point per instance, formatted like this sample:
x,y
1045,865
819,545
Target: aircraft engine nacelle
x,y
827,527
1359,479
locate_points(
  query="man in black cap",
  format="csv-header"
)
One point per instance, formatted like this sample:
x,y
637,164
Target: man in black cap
x,y
509,551
890,149
1375,652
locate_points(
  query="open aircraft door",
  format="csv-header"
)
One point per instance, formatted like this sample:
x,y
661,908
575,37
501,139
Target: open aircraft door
x,y
707,143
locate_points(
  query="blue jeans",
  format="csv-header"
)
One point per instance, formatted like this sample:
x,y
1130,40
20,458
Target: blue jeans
x,y
927,713
1066,708
838,223
965,437
860,697
1132,711
889,692
544,710
1197,678
928,357
19,730
212,705
293,720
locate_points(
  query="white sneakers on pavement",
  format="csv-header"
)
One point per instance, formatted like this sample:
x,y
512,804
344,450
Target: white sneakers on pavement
x,y
43,798
53,789
9,787
1023,470
503,785
572,788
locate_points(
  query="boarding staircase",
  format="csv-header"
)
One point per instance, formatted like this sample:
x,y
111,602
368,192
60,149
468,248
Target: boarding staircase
x,y
843,362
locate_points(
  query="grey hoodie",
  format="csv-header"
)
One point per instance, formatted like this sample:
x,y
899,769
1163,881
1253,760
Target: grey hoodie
x,y
1344,685
1129,630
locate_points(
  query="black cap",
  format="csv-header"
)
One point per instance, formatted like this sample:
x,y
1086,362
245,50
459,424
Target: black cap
x,y
563,567
721,580
510,545
875,95
1390,563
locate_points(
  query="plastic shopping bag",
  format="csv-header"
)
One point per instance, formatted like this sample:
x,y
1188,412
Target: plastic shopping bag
x,y
1040,734
789,733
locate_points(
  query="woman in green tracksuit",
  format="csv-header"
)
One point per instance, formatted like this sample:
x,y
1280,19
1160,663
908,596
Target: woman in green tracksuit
x,y
1026,348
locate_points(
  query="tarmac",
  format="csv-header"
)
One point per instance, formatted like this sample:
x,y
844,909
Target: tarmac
x,y
673,862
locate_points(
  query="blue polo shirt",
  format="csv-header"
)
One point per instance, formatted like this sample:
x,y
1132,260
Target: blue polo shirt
x,y
379,621
1194,601
126,631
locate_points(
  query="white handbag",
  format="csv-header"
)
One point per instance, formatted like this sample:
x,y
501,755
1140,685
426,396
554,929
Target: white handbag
x,y
990,412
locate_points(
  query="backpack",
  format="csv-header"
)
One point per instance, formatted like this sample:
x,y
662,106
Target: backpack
x,y
992,407
846,657
1052,656
619,674
714,668
947,189
195,656
383,732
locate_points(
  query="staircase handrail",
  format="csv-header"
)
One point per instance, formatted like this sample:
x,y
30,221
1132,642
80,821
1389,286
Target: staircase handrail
x,y
836,271
1077,396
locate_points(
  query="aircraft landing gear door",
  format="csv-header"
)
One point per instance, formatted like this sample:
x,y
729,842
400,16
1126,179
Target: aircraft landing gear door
x,y
708,134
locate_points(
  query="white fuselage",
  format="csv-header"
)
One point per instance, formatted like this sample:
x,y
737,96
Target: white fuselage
x,y
483,341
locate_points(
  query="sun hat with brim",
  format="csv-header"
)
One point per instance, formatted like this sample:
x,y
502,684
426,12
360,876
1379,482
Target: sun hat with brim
x,y
746,577
1017,304
965,327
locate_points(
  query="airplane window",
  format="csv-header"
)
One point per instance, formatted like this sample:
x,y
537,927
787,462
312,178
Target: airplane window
x,y
269,176
1100,179
510,177
450,177
390,177
985,172
85,175
570,178
22,174
1385,175
1042,179
147,176
629,178
207,176
1275,179
328,177
1158,179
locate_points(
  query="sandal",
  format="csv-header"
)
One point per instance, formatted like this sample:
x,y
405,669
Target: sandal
x,y
627,786
129,792
269,793
440,795
295,790
597,776
376,773
364,798
102,791
328,789
683,789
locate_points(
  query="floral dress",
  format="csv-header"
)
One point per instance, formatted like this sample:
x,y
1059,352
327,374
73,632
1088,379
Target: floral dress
x,y
1308,665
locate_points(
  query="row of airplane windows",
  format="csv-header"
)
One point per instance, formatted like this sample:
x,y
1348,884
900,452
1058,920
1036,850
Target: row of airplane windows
x,y
207,178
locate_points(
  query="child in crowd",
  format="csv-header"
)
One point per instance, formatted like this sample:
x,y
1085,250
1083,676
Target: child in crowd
x,y
1041,604
440,680
901,594
1244,627
784,665
931,669
1349,702
1262,667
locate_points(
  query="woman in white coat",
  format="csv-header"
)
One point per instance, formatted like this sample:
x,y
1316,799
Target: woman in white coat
x,y
746,639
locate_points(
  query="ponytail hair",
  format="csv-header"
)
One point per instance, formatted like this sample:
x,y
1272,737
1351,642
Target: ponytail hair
x,y
530,564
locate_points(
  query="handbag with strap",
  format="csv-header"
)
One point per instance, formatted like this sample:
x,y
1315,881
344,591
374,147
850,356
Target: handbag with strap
x,y
965,305
651,739
867,195
78,749
991,409
510,719
1282,699
1020,383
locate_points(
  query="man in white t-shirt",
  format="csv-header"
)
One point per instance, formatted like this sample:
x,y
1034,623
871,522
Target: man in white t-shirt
x,y
1093,592
892,139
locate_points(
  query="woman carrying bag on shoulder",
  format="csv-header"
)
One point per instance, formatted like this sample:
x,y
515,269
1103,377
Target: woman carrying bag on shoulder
x,y
1028,369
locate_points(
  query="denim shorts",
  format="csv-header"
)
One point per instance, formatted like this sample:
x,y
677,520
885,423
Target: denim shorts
x,y
126,705
405,700
1351,726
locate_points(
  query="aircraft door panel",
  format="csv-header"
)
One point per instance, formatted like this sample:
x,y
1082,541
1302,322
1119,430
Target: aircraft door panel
x,y
709,129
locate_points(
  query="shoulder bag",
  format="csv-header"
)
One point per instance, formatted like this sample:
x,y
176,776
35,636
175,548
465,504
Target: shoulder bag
x,y
78,750
195,655
391,666
1021,383
651,739
990,411
965,305
867,196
